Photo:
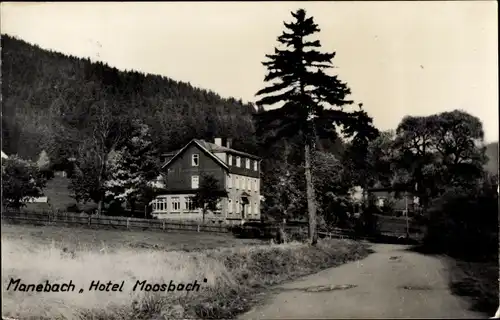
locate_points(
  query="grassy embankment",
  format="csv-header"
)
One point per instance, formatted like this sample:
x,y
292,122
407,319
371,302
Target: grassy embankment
x,y
234,276
477,281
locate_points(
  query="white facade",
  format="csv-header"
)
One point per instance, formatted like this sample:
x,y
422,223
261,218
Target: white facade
x,y
236,185
179,207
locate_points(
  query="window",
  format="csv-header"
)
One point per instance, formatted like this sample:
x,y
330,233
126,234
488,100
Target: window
x,y
255,165
247,163
229,181
237,182
159,204
230,207
238,207
249,181
238,161
255,208
230,160
235,208
195,160
195,182
189,205
176,204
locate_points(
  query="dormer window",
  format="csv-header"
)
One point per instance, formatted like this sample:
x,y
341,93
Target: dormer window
x,y
247,163
195,160
255,168
238,161
230,160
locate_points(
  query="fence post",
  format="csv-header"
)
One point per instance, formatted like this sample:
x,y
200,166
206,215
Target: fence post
x,y
163,226
128,223
90,218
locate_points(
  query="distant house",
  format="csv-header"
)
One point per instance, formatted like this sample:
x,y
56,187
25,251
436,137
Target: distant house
x,y
405,201
237,172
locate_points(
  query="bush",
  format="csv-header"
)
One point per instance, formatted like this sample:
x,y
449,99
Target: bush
x,y
388,207
464,223
73,208
367,224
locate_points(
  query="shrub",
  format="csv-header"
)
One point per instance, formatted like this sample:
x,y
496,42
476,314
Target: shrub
x,y
464,223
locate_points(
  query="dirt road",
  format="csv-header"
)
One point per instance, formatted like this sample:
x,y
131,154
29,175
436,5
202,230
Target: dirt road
x,y
390,283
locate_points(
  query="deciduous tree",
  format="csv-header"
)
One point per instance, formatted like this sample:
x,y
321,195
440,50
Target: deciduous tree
x,y
21,181
439,151
208,195
106,130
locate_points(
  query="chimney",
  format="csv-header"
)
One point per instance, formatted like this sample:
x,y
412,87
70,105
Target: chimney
x,y
218,141
229,142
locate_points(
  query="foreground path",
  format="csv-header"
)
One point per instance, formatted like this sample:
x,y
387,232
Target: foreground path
x,y
390,283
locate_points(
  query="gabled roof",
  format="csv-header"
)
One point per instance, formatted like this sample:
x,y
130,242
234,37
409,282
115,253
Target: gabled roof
x,y
210,149
201,145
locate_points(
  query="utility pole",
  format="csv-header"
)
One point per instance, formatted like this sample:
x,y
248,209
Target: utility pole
x,y
406,211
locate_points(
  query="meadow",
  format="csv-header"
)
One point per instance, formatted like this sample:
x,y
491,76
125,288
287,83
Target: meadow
x,y
233,273
95,240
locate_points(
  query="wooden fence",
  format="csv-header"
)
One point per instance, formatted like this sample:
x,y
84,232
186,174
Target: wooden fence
x,y
104,222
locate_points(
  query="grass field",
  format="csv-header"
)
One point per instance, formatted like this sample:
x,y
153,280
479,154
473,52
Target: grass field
x,y
235,275
78,239
477,281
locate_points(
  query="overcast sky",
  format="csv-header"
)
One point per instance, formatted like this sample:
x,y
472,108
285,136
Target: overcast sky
x,y
398,58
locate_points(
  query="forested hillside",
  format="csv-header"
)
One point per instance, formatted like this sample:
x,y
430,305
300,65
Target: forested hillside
x,y
492,153
50,98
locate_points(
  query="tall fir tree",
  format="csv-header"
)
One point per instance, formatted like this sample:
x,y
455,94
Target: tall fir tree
x,y
305,90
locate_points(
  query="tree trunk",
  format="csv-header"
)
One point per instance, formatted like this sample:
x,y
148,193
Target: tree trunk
x,y
99,207
311,199
132,207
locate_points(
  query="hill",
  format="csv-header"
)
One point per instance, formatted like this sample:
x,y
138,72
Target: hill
x,y
47,95
492,153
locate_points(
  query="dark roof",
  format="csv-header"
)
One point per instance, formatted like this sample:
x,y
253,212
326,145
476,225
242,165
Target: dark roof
x,y
210,149
388,189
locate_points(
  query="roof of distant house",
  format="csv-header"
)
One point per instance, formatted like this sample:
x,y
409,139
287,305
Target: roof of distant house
x,y
4,156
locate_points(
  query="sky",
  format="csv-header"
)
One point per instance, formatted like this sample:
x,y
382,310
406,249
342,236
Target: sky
x,y
398,58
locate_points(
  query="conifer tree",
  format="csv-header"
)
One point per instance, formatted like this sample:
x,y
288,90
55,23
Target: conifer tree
x,y
132,167
312,101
